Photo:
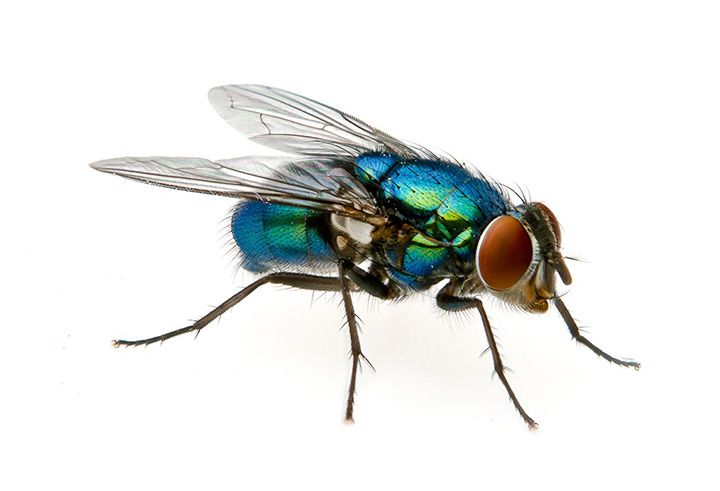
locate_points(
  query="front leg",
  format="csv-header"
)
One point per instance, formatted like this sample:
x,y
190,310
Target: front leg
x,y
448,300
575,333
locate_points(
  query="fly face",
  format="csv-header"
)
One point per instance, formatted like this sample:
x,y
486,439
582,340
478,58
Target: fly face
x,y
518,255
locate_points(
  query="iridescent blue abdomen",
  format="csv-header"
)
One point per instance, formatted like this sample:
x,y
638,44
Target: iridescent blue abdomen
x,y
274,237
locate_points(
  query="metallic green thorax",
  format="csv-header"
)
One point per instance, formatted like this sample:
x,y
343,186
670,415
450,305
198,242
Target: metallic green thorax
x,y
446,206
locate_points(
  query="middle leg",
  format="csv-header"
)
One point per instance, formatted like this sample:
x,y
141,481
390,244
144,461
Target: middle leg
x,y
448,300
372,284
355,348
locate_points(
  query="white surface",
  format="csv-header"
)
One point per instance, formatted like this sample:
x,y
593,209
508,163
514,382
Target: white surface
x,y
608,113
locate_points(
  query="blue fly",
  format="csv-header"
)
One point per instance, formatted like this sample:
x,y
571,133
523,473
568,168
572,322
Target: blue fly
x,y
355,209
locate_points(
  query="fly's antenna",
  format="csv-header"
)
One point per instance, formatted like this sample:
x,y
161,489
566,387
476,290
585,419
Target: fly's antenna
x,y
576,259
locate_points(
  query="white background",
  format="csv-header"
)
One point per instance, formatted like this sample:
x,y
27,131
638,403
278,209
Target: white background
x,y
609,112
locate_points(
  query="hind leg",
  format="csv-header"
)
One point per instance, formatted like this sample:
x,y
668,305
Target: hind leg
x,y
303,281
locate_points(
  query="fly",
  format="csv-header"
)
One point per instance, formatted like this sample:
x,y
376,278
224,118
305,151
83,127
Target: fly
x,y
354,209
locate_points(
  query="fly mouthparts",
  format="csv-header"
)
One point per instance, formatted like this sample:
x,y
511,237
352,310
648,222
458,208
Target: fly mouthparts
x,y
558,264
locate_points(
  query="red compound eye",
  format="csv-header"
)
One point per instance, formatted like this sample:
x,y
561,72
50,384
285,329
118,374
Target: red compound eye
x,y
504,253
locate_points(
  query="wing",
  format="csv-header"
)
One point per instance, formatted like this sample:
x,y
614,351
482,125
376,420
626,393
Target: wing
x,y
291,123
319,184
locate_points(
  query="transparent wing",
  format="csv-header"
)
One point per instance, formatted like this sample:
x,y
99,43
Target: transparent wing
x,y
291,123
309,183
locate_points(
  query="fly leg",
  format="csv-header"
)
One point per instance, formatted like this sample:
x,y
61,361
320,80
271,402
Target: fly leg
x,y
303,281
348,271
575,332
369,282
373,285
448,300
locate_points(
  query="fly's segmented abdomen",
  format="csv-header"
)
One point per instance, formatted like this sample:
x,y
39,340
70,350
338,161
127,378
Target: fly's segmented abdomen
x,y
274,237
